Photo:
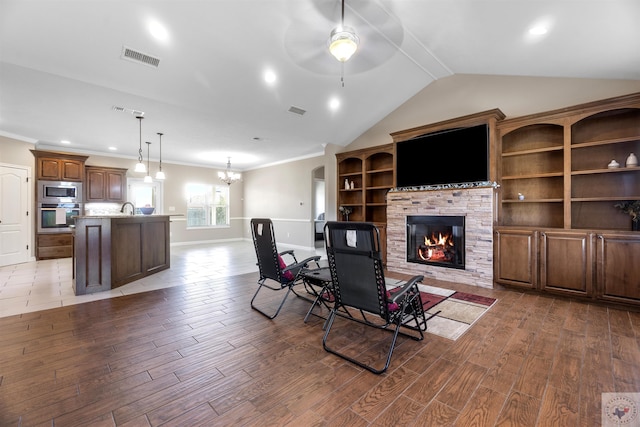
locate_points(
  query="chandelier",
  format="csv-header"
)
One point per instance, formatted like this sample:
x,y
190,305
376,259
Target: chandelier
x,y
229,177
343,41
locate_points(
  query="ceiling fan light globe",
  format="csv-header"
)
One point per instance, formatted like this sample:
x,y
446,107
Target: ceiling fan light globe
x,y
343,43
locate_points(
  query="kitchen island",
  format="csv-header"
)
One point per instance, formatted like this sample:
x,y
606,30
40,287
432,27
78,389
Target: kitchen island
x,y
110,251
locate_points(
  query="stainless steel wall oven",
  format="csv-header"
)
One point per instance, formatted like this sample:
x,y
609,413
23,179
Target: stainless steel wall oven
x,y
57,217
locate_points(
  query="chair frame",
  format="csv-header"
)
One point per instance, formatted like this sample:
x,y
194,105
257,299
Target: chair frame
x,y
269,266
408,314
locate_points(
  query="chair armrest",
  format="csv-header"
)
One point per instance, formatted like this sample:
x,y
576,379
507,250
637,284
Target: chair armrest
x,y
398,295
302,264
291,253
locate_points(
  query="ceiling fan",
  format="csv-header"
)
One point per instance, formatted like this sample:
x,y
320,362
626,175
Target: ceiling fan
x,y
314,22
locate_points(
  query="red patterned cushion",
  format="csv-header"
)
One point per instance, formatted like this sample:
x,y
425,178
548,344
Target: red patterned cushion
x,y
391,306
287,275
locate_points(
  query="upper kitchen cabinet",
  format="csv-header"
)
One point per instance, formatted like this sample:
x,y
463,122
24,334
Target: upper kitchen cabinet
x,y
105,184
52,166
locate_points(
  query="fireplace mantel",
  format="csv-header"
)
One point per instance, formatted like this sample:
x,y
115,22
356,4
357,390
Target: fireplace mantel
x,y
474,201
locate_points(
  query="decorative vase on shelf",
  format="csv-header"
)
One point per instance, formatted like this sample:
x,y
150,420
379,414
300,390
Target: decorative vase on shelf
x,y
613,164
346,184
632,161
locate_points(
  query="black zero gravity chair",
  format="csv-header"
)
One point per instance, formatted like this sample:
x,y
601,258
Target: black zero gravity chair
x,y
272,265
353,250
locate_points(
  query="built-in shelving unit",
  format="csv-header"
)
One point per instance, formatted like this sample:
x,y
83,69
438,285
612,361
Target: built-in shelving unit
x,y
595,189
369,175
533,175
557,218
372,172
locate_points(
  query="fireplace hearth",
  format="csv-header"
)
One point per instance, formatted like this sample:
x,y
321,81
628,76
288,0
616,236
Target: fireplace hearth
x,y
436,240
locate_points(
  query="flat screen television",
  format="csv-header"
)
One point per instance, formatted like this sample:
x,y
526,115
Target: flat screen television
x,y
452,156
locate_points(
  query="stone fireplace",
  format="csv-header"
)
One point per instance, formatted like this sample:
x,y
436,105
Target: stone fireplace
x,y
473,202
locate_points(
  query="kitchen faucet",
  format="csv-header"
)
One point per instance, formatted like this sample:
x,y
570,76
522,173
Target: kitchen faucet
x,y
133,208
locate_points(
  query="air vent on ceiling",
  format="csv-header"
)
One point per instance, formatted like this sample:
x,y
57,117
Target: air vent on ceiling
x,y
139,57
296,110
128,111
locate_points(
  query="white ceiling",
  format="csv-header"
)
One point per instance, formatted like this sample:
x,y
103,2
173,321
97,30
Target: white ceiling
x,y
61,71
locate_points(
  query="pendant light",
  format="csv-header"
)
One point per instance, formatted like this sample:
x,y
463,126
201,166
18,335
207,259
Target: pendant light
x,y
140,165
148,177
160,174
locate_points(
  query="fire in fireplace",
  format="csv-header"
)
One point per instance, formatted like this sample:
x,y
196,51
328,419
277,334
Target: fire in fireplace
x,y
436,240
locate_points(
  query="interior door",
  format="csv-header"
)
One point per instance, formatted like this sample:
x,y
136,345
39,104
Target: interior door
x,y
14,215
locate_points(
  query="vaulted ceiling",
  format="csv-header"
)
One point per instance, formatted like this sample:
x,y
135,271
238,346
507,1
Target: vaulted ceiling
x,y
63,75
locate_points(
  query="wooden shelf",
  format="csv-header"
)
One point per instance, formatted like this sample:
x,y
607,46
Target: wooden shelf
x,y
381,170
605,199
532,151
614,170
534,175
605,142
533,201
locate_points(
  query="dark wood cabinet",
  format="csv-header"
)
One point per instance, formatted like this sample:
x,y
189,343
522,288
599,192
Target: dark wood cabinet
x,y
113,251
516,263
141,248
54,166
618,267
54,245
566,263
105,184
51,166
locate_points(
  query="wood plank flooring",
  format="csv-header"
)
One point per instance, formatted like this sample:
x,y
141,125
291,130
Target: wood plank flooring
x,y
198,355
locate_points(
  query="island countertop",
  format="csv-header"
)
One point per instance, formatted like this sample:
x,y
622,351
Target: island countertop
x,y
112,250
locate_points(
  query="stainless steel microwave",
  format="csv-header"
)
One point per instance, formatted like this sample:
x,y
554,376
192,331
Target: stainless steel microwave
x,y
59,192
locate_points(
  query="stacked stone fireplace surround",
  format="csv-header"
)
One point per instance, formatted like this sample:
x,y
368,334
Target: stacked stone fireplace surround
x,y
475,204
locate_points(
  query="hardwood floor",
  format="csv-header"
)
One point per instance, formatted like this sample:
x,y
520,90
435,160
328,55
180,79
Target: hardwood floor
x,y
198,355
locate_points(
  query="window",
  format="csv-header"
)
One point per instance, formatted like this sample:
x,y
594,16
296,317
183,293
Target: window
x,y
143,194
207,205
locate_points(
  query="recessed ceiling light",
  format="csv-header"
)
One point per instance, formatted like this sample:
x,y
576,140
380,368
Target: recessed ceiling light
x,y
538,30
334,104
64,141
158,31
270,77
113,148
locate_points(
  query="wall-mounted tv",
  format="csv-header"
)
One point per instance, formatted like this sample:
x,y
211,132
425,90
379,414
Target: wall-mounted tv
x,y
452,156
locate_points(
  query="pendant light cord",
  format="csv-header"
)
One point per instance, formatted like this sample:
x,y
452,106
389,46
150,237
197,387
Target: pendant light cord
x,y
148,161
160,164
140,159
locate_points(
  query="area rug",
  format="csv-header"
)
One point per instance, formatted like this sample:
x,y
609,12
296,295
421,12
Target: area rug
x,y
454,312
